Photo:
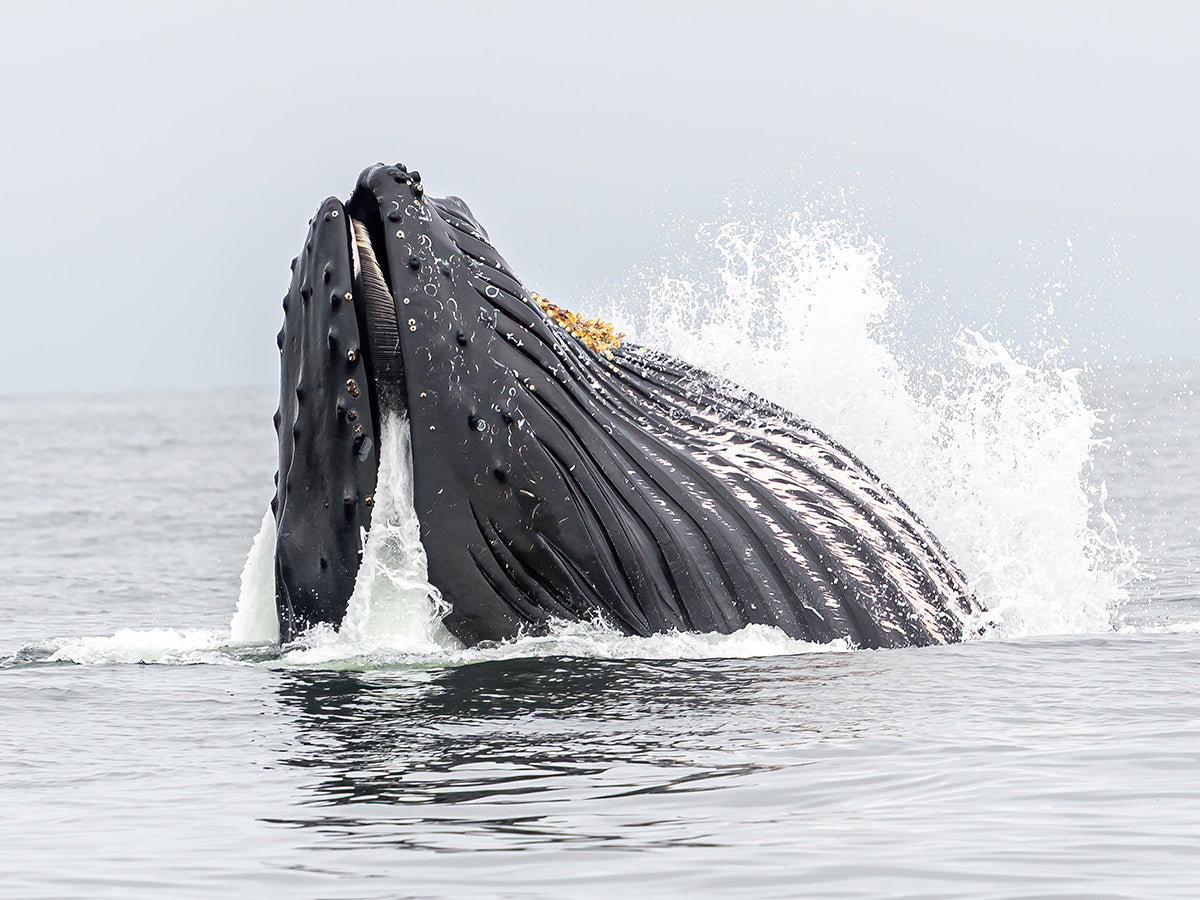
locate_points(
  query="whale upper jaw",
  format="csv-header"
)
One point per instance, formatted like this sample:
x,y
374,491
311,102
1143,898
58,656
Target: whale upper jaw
x,y
552,481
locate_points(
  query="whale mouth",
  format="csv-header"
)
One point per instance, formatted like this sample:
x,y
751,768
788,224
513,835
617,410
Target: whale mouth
x,y
340,371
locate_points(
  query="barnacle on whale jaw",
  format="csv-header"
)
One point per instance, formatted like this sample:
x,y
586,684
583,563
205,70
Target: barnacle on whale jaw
x,y
598,335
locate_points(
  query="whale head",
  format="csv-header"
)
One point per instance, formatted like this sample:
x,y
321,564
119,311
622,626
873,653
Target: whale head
x,y
558,473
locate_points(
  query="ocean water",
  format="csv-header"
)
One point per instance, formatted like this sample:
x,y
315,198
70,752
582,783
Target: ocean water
x,y
157,743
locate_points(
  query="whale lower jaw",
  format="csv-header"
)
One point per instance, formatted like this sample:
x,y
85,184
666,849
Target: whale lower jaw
x,y
559,479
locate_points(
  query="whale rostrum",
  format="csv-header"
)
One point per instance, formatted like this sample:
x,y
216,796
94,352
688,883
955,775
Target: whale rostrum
x,y
560,472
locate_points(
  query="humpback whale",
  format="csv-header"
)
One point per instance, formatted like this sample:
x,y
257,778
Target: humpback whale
x,y
560,472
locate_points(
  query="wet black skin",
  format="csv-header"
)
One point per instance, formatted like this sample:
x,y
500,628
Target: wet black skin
x,y
552,482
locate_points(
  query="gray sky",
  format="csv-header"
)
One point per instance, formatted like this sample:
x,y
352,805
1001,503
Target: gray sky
x,y
161,160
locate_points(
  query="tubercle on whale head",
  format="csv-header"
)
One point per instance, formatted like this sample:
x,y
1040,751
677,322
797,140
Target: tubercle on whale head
x,y
327,425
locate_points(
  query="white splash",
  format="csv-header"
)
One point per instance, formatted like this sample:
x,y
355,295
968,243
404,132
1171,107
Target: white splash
x,y
254,623
593,640
394,607
991,452
150,645
255,620
326,647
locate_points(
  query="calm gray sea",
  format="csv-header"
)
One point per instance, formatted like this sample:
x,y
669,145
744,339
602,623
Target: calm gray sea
x,y
1050,766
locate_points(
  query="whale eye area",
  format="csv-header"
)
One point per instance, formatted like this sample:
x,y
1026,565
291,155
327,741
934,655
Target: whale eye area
x,y
500,474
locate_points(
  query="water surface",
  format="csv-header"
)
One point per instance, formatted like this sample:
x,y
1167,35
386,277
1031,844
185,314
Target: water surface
x,y
1053,764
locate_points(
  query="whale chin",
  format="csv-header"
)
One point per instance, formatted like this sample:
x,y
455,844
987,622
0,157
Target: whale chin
x,y
560,473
